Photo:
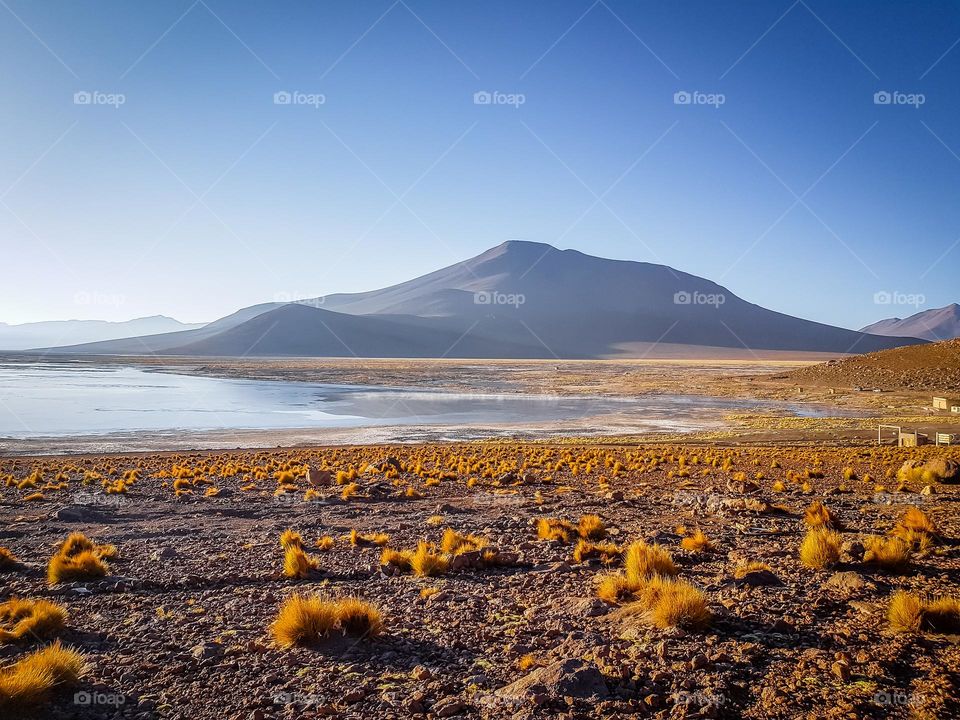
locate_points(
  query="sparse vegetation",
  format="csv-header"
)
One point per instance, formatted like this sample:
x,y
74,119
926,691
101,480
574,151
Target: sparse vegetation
x,y
820,549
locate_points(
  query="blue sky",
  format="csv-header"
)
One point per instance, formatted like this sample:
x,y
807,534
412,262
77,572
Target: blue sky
x,y
199,194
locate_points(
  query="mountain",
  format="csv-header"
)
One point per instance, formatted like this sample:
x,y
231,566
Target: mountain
x,y
519,299
60,332
935,324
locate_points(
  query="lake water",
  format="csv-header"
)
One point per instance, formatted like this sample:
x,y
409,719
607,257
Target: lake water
x,y
51,399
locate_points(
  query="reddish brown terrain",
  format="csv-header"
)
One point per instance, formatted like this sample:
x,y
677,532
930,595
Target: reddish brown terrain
x,y
180,625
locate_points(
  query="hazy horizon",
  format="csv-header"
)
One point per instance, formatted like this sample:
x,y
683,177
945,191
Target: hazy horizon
x,y
155,165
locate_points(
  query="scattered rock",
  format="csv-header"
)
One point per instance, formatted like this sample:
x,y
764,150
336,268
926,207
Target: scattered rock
x,y
573,678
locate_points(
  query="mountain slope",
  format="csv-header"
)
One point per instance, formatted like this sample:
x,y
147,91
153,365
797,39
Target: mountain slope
x,y
935,324
933,367
519,299
62,332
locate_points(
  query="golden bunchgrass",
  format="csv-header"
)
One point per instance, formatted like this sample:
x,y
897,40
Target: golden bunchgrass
x,y
455,544
426,562
698,542
25,619
556,530
297,563
28,683
670,602
908,613
607,553
306,619
889,553
8,561
644,560
591,527
78,559
820,549
916,528
290,538
818,515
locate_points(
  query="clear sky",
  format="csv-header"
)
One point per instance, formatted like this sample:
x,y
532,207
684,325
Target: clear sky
x,y
782,179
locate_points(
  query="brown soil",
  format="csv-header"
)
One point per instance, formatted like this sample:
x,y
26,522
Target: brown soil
x,y
180,627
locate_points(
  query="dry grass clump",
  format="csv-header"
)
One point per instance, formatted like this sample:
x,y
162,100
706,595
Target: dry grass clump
x,y
607,553
8,561
818,515
748,567
698,542
325,543
305,619
644,560
591,527
910,613
358,617
888,553
455,544
642,563
916,529
78,558
290,538
399,559
556,530
360,539
425,562
820,549
29,681
670,602
30,619
298,564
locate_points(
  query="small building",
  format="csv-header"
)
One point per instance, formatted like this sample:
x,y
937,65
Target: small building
x,y
944,403
908,438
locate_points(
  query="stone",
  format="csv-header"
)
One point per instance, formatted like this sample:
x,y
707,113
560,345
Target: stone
x,y
574,678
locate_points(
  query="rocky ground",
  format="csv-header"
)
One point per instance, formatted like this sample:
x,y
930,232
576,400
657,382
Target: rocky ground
x,y
179,628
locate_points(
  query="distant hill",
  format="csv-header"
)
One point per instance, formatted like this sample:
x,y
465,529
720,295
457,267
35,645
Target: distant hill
x,y
62,332
519,299
935,324
934,367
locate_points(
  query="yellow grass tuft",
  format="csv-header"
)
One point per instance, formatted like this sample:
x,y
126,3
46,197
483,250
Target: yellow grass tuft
x,y
607,553
298,564
698,542
82,565
910,613
325,543
888,553
526,662
30,620
615,587
8,561
643,561
913,525
455,544
820,549
396,558
290,538
28,682
302,620
358,617
750,566
557,530
359,539
668,602
427,563
591,527
819,515
305,619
